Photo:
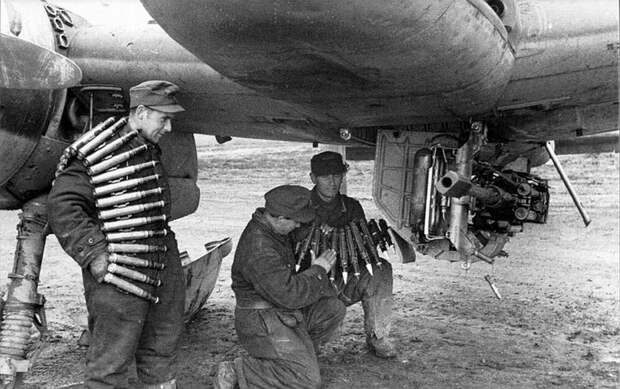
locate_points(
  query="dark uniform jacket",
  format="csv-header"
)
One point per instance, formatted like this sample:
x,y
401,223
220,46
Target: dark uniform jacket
x,y
73,215
264,270
337,213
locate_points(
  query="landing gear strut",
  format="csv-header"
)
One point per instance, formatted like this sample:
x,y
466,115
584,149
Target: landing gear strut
x,y
22,309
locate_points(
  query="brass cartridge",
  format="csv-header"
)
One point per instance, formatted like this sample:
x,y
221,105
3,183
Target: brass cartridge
x,y
123,185
129,210
369,242
343,254
316,241
352,252
333,244
90,135
386,232
129,287
359,243
377,235
135,248
129,223
106,202
132,274
100,138
122,172
108,149
304,247
134,235
115,160
133,261
323,244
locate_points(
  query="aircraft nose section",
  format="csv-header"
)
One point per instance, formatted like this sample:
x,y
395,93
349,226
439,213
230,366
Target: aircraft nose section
x,y
25,65
450,57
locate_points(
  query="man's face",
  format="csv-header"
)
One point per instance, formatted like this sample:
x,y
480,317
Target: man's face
x,y
284,226
327,186
154,124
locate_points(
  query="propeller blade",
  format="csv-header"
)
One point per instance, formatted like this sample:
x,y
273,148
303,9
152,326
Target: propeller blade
x,y
24,65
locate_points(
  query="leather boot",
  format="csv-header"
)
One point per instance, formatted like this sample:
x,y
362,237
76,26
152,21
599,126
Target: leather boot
x,y
377,323
226,376
383,348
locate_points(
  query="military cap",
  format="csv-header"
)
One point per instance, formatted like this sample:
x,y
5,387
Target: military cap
x,y
155,94
290,201
326,163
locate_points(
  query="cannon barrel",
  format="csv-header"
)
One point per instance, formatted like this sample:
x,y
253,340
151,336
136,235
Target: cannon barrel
x,y
453,184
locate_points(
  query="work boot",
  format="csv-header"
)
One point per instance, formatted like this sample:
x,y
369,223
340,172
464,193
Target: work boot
x,y
383,348
378,313
226,376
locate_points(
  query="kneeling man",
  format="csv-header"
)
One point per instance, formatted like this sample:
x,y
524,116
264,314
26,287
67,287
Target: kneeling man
x,y
281,317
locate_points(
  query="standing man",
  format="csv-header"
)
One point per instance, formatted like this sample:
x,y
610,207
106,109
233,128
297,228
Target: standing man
x,y
103,211
281,317
335,210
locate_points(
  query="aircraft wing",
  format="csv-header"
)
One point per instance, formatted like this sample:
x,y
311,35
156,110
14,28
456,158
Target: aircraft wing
x,y
537,70
444,91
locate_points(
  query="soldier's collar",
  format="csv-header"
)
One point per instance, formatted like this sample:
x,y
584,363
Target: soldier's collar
x,y
316,201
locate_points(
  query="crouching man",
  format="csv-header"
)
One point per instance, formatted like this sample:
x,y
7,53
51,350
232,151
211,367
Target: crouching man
x,y
335,210
281,317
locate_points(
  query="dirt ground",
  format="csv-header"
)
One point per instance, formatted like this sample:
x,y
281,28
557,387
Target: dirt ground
x,y
556,326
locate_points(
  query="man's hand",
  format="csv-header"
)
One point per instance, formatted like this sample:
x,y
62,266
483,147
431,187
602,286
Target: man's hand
x,y
326,229
99,267
325,260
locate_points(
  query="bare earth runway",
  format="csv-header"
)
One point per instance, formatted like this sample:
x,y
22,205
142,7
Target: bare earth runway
x,y
556,326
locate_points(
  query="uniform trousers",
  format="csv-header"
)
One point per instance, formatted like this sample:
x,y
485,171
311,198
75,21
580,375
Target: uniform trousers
x,y
282,344
126,329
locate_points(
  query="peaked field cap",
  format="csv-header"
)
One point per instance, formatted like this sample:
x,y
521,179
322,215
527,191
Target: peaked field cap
x,y
290,201
326,163
155,94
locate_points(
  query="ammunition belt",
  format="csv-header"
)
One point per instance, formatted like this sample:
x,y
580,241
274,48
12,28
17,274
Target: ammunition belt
x,y
355,245
120,201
